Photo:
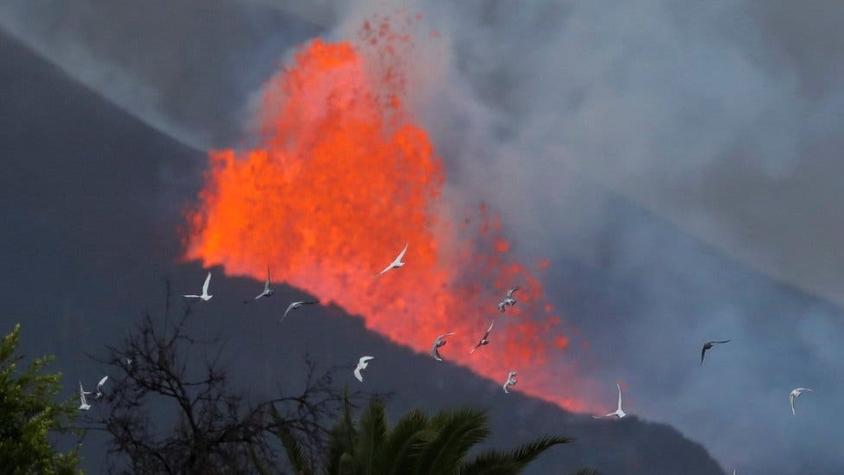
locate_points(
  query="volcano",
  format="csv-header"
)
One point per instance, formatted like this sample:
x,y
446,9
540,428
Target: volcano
x,y
92,199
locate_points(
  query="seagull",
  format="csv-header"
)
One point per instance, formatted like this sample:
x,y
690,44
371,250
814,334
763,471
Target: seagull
x,y
484,339
362,364
205,296
99,393
397,262
794,394
439,342
618,412
708,346
267,292
508,299
83,403
295,305
511,381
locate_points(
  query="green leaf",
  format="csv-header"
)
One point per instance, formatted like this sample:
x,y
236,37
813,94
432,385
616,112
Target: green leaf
x,y
372,430
295,455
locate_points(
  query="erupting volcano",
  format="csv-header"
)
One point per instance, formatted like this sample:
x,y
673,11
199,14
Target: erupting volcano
x,y
340,180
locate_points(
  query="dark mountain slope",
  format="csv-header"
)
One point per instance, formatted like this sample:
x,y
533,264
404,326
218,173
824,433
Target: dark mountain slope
x,y
91,202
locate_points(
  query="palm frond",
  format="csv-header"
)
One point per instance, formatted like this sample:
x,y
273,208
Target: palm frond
x,y
403,441
527,453
295,455
458,431
512,462
372,430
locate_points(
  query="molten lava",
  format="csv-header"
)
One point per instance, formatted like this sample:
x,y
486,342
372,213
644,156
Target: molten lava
x,y
342,178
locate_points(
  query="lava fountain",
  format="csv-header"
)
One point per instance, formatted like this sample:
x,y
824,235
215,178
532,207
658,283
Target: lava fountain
x,y
340,180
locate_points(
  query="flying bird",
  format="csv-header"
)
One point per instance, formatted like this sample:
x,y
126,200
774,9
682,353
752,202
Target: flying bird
x,y
295,305
99,393
267,292
397,262
509,299
708,346
205,296
511,381
793,395
438,343
484,339
618,412
83,402
362,364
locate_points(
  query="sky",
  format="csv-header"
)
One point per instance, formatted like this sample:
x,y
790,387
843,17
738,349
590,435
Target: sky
x,y
682,157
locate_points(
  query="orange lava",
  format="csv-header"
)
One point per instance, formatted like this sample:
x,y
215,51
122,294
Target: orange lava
x,y
341,179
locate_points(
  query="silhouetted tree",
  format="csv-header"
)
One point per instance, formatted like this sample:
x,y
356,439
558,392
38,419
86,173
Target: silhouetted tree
x,y
416,445
167,414
29,413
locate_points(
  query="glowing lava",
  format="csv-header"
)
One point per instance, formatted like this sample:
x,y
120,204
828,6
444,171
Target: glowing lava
x,y
341,180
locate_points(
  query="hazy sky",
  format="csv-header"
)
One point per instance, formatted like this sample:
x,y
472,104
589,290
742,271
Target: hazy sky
x,y
721,117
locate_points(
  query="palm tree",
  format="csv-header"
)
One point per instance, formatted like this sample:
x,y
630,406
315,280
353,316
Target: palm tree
x,y
416,444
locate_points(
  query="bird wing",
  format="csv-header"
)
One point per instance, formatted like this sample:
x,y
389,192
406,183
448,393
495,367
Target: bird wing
x,y
101,383
702,354
289,308
791,401
721,341
387,268
206,284
191,296
488,330
435,352
364,359
81,393
511,292
402,253
358,375
619,395
267,282
505,388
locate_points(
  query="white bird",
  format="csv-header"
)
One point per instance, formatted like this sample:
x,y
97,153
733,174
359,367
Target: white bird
x,y
83,403
511,381
99,393
397,262
618,412
295,305
205,296
484,339
362,364
438,343
794,394
509,299
267,292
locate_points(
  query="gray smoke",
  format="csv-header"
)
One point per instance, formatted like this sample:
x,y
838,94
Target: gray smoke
x,y
676,160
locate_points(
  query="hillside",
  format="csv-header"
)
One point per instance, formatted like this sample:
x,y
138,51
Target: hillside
x,y
92,203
